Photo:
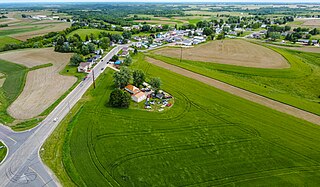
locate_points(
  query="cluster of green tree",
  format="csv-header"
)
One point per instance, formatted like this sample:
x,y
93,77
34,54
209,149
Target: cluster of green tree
x,y
119,14
276,28
301,33
120,98
3,17
75,44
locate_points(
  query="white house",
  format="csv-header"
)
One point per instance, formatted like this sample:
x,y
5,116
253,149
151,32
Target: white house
x,y
84,66
138,97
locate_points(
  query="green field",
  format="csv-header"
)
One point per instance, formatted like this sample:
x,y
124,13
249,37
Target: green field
x,y
3,151
298,85
15,75
20,30
7,40
95,32
208,138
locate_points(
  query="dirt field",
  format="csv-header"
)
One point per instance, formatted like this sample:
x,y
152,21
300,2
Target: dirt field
x,y
235,52
310,22
43,86
240,92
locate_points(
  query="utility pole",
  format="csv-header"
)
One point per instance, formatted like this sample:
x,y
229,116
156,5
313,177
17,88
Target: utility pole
x,y
94,81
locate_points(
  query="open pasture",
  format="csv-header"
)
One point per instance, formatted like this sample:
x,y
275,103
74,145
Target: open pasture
x,y
235,52
298,86
83,32
208,138
43,86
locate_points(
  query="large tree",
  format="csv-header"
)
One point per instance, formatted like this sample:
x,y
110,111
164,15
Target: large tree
x,y
127,61
105,42
138,77
207,31
122,77
155,83
76,59
119,99
126,35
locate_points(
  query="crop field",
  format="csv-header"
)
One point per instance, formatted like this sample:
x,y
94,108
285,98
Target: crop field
x,y
298,86
23,29
83,32
310,22
6,40
41,30
43,86
235,52
208,138
15,76
3,151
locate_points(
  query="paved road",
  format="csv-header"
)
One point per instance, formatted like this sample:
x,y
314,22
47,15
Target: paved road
x,y
23,166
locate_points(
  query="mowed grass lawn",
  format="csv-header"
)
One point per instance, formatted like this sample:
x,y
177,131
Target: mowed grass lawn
x,y
8,40
15,75
3,151
83,32
298,85
208,138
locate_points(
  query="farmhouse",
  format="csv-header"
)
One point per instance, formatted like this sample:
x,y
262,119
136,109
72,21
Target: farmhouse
x,y
138,97
84,66
132,89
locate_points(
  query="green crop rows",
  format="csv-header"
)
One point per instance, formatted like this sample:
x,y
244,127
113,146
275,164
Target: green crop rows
x,y
208,138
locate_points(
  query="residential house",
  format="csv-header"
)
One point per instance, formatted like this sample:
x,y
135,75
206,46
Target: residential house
x,y
84,66
138,97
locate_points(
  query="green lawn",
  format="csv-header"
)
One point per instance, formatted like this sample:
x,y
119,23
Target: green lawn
x,y
208,138
3,151
96,32
7,40
298,85
12,87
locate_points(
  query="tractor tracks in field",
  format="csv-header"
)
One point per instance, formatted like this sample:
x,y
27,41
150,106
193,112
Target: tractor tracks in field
x,y
281,107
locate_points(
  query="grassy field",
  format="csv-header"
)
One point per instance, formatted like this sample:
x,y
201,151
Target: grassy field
x,y
7,40
208,138
96,32
12,87
3,151
298,85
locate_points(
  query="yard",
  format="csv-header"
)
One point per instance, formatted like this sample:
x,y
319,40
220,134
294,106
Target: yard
x,y
208,138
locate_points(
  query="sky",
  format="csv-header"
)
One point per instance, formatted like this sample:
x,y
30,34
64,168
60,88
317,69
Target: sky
x,y
256,1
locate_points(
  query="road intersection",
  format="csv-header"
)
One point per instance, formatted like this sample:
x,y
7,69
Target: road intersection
x,y
23,165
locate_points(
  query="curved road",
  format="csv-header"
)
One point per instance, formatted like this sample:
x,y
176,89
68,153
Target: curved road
x,y
23,166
